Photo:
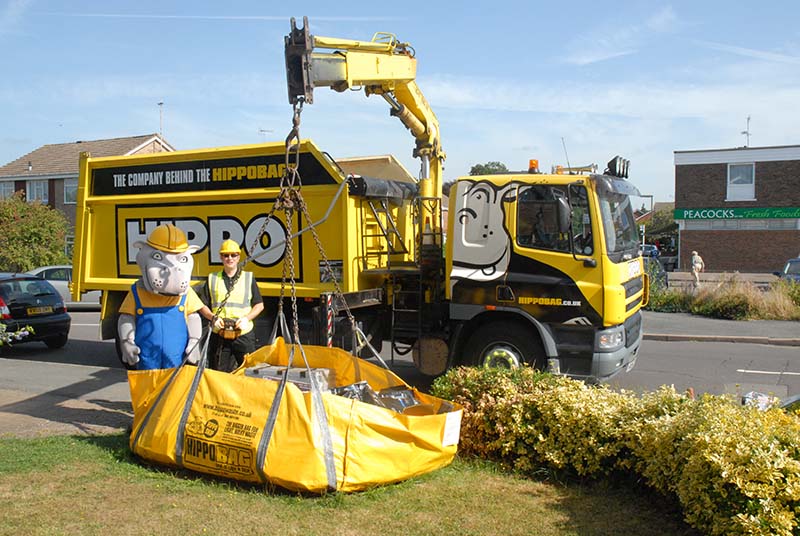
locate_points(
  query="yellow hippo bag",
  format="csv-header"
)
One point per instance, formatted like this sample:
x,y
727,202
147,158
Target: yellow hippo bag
x,y
336,423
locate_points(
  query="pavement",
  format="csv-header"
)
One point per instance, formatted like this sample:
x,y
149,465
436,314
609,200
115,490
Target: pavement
x,y
687,327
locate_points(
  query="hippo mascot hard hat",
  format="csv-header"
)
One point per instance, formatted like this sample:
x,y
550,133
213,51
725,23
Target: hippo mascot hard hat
x,y
159,323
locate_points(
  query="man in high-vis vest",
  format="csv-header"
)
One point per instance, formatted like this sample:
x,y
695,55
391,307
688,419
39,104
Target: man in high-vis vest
x,y
232,334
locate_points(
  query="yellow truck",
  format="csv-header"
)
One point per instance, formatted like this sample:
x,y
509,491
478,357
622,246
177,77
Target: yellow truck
x,y
526,267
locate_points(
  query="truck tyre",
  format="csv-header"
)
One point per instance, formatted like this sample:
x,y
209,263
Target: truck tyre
x,y
506,345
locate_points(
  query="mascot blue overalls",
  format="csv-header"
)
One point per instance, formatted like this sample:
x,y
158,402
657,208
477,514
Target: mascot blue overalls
x,y
159,321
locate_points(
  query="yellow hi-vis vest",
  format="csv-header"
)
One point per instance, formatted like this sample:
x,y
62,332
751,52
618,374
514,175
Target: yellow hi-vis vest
x,y
238,304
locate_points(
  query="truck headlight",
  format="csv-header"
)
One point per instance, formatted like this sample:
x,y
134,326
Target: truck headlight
x,y
611,339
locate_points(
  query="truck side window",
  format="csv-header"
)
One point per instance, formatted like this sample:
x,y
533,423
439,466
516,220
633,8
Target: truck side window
x,y
581,221
537,221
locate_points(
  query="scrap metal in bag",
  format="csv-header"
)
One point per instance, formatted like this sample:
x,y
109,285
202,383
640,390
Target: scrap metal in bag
x,y
300,376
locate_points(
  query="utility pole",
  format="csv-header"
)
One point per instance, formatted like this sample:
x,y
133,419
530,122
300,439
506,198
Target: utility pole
x,y
746,133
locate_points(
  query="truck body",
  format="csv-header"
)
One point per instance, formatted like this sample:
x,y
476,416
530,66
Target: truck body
x,y
526,267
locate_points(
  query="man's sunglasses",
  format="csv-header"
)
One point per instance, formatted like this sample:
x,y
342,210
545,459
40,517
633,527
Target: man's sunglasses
x,y
226,255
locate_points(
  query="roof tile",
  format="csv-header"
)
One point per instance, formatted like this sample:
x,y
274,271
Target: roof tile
x,y
63,158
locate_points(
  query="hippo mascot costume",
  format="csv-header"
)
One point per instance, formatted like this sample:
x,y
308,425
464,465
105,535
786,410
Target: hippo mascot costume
x,y
159,322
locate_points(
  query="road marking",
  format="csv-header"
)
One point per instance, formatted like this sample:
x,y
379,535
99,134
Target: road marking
x,y
768,372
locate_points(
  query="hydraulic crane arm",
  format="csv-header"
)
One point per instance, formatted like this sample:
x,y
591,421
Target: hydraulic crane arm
x,y
383,66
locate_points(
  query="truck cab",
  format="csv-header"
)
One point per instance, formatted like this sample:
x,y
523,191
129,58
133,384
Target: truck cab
x,y
545,269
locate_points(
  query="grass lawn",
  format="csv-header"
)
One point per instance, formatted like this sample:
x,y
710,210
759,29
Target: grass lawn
x,y
93,485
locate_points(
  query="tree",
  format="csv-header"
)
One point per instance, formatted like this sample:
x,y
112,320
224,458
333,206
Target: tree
x,y
446,187
489,168
31,234
662,227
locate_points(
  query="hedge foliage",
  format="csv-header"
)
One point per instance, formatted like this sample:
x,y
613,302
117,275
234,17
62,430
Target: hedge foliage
x,y
731,299
734,469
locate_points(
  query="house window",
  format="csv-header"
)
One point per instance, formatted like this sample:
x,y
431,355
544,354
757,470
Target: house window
x,y
70,191
6,189
36,191
741,182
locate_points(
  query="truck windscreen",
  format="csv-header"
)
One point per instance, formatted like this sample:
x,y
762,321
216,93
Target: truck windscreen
x,y
619,225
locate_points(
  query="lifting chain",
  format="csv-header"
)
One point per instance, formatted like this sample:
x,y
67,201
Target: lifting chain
x,y
284,201
290,201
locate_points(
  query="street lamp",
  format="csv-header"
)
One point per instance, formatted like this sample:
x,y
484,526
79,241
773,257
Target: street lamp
x,y
651,212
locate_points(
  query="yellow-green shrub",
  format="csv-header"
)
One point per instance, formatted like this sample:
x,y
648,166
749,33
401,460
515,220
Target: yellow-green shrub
x,y
525,419
739,473
734,469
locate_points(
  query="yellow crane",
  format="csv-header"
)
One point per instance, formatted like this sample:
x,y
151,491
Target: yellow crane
x,y
383,66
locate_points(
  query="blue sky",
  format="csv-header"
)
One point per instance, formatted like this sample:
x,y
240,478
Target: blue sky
x,y
508,81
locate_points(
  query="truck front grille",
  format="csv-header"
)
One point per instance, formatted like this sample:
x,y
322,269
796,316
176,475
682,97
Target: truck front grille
x,y
633,327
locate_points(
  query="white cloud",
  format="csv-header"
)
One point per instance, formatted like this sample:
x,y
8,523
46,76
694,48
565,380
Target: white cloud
x,y
160,16
12,15
751,53
616,38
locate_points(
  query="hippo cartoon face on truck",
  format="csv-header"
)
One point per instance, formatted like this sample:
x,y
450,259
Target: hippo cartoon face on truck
x,y
481,243
165,261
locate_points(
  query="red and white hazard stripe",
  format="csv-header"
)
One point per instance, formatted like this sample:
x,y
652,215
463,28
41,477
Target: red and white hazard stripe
x,y
329,306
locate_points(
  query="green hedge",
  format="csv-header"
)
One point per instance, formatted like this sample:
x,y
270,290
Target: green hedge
x,y
730,299
733,469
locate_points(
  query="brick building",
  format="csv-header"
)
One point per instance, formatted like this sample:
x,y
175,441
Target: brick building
x,y
50,173
739,208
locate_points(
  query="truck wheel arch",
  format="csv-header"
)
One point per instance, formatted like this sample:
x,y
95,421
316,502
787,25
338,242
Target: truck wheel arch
x,y
515,317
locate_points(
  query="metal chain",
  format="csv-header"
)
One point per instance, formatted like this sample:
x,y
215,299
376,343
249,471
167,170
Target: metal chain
x,y
289,260
291,199
288,180
287,201
328,268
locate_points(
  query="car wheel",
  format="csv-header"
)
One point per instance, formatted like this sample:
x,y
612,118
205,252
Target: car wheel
x,y
56,342
505,345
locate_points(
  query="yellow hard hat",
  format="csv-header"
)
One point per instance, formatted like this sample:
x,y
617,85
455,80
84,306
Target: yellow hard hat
x,y
229,246
168,238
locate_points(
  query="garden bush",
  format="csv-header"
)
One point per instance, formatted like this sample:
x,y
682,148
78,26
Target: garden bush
x,y
733,469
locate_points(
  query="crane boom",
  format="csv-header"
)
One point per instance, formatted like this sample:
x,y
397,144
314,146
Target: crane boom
x,y
383,66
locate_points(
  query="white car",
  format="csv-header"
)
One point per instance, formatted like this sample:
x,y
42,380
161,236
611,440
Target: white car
x,y
60,277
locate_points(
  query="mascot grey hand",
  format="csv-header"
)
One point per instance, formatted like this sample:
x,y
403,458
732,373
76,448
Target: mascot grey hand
x,y
159,321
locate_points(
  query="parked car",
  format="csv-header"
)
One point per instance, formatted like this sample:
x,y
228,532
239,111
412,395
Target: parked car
x,y
790,272
649,250
27,300
60,277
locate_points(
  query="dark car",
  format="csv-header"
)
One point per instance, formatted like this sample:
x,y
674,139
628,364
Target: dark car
x,y
26,300
649,250
790,272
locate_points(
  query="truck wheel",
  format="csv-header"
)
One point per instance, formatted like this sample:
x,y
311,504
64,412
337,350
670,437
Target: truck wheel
x,y
506,345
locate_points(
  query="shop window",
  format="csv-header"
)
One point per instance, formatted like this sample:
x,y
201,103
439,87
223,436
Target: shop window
x,y
741,182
